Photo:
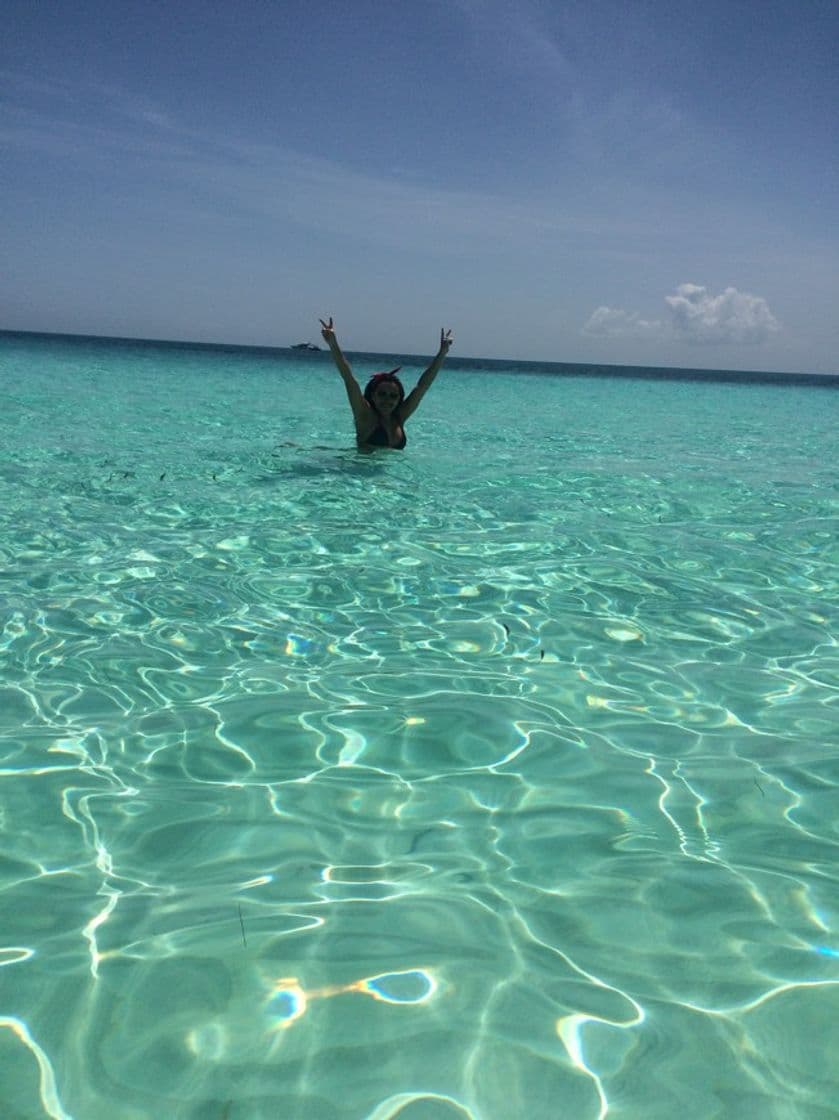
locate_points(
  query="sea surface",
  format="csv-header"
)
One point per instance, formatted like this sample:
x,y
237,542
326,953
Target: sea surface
x,y
493,779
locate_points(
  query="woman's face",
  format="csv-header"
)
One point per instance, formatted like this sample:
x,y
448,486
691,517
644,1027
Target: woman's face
x,y
386,396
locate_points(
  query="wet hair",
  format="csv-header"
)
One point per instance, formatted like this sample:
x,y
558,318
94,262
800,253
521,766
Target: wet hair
x,y
389,377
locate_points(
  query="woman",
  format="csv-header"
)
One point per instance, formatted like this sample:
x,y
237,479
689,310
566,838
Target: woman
x,y
381,410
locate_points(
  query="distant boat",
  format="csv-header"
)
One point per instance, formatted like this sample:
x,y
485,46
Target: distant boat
x,y
308,346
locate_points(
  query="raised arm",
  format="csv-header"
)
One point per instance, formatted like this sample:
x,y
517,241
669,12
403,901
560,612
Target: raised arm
x,y
413,399
356,398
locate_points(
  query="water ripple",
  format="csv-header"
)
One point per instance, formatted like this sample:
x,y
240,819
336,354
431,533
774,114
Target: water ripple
x,y
415,787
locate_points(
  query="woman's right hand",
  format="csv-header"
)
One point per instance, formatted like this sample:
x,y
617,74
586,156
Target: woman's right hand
x,y
328,330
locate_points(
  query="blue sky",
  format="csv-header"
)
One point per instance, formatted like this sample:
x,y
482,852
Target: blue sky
x,y
640,183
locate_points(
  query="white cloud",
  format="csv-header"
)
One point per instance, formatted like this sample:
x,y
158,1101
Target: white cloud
x,y
610,322
732,316
695,316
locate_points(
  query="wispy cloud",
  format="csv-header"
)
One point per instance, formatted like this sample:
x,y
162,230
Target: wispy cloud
x,y
106,127
517,34
51,105
696,316
603,116
613,322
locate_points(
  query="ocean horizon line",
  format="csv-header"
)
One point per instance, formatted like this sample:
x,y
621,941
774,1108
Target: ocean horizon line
x,y
485,364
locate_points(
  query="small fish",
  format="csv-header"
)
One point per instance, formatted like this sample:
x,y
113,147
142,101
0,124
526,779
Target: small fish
x,y
163,476
541,655
757,783
242,924
506,628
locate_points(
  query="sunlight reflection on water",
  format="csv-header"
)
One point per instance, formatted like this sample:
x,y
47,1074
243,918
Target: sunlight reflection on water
x,y
527,735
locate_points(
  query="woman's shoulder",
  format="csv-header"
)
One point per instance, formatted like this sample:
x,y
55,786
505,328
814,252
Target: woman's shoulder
x,y
366,417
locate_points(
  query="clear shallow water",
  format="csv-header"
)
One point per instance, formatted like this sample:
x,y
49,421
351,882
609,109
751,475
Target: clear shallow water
x,y
495,779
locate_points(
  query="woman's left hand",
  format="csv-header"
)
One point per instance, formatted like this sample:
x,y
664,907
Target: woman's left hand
x,y
445,340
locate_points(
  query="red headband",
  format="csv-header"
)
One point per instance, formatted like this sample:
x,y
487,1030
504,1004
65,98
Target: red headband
x,y
381,376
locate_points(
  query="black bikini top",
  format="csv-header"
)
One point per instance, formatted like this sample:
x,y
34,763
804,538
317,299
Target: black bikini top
x,y
379,438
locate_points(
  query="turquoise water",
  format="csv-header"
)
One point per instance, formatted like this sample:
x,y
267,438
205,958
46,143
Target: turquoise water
x,y
498,778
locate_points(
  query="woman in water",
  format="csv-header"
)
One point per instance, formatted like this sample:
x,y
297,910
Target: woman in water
x,y
381,410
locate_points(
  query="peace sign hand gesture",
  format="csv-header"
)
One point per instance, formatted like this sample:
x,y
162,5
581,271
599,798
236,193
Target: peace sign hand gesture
x,y
445,340
328,331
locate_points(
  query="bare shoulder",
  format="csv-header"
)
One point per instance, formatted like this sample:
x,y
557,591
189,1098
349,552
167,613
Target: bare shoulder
x,y
365,419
